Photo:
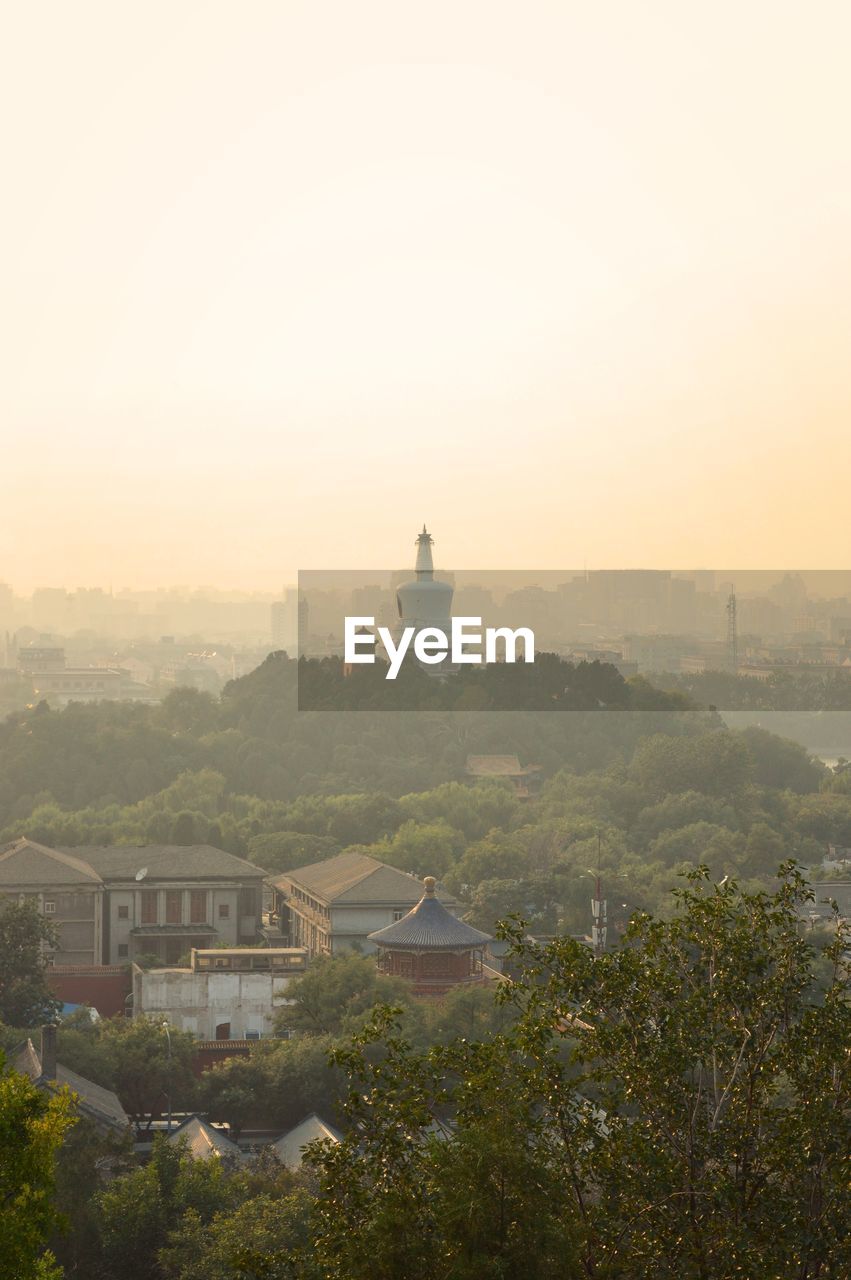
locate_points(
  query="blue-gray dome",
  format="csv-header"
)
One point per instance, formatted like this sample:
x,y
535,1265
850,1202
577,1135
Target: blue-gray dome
x,y
425,601
429,927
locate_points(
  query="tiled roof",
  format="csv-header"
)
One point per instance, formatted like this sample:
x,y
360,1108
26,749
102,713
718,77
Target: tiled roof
x,y
166,862
203,1141
93,1099
355,878
429,927
290,1146
24,862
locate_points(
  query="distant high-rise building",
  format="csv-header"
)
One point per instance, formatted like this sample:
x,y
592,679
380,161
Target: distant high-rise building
x,y
280,630
289,622
50,609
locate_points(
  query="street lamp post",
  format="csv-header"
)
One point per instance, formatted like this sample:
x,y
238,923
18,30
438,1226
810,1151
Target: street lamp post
x,y
168,1074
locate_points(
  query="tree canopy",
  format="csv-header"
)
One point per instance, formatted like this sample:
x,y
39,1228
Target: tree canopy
x,y
25,999
680,1106
32,1126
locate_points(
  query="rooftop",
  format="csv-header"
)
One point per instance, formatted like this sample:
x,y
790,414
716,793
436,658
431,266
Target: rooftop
x,y
289,1148
429,927
165,862
355,878
93,1100
26,862
203,1141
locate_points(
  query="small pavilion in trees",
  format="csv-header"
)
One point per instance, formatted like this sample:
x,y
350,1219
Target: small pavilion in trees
x,y
432,948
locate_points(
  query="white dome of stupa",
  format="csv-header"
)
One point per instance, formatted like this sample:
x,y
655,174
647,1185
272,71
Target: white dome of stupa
x,y
425,601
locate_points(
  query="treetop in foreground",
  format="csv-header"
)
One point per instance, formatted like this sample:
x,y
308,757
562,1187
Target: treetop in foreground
x,y
679,1107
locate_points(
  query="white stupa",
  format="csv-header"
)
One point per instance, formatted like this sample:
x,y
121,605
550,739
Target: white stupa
x,y
425,601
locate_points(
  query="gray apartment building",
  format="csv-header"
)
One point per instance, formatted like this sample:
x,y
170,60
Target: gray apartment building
x,y
110,905
331,907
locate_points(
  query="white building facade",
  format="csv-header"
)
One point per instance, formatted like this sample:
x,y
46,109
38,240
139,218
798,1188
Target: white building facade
x,y
223,994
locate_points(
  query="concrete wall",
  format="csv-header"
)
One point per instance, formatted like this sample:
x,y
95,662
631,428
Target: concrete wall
x,y
103,987
348,923
199,1002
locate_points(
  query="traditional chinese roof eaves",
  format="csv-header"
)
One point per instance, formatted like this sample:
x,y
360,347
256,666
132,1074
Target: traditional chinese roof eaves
x,y
429,927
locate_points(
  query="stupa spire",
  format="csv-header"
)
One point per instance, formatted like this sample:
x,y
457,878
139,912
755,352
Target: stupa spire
x,y
425,564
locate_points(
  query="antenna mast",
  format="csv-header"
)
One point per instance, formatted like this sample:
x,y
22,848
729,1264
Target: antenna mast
x,y
732,631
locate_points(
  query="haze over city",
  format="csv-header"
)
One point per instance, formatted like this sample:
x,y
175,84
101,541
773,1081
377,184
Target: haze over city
x,y
288,276
425,640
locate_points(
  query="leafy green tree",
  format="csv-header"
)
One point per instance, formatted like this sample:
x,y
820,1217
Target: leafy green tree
x,y
145,1071
25,1000
422,848
473,810
499,855
184,830
680,1106
682,809
137,1212
33,1125
439,1176
717,846
467,1012
276,1086
282,850
780,763
718,764
336,994
264,1238
533,897
188,710
87,1162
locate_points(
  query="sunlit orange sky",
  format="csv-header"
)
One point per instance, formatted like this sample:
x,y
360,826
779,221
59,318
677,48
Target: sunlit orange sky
x,y
571,282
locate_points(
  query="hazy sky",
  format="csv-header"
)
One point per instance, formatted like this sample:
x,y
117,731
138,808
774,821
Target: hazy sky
x,y
568,281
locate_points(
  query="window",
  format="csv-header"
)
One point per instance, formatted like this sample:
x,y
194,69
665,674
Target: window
x,y
149,906
198,906
50,908
224,911
173,905
397,915
248,902
122,949
123,913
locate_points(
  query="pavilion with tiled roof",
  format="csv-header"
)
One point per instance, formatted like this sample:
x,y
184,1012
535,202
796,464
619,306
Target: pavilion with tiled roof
x,y
431,947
